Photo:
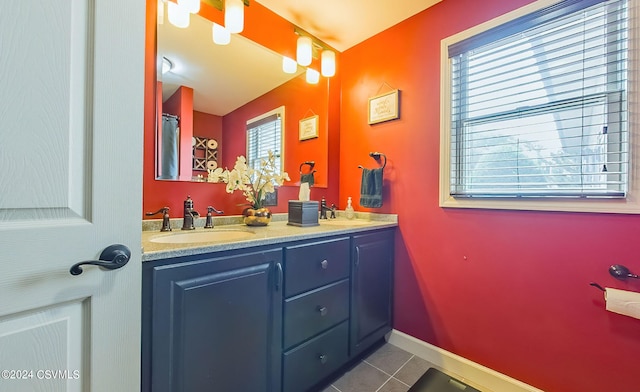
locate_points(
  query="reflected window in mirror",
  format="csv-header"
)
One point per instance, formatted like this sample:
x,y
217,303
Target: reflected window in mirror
x,y
266,133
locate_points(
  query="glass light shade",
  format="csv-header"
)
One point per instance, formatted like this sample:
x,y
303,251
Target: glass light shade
x,y
313,76
304,51
178,15
161,12
234,15
289,65
328,63
193,6
221,35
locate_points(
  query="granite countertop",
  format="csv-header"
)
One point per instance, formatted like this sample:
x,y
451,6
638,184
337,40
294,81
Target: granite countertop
x,y
277,231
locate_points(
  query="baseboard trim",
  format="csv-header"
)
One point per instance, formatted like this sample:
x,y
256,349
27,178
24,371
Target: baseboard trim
x,y
485,379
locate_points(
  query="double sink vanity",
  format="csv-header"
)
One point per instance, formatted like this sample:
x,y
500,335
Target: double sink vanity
x,y
274,308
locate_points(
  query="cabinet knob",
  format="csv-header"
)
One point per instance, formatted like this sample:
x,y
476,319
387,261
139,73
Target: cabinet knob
x,y
322,310
324,264
322,358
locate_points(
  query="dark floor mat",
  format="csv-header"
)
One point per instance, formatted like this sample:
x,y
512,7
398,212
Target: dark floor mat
x,y
436,381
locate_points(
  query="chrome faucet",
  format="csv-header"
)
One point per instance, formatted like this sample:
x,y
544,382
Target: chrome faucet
x,y
189,215
324,208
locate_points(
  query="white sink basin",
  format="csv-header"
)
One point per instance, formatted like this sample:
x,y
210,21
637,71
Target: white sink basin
x,y
343,222
202,236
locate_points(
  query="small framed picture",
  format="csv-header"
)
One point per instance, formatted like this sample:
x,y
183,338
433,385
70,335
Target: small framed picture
x,y
384,107
271,199
309,128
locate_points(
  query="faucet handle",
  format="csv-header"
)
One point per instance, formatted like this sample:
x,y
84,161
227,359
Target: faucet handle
x,y
166,222
209,222
212,209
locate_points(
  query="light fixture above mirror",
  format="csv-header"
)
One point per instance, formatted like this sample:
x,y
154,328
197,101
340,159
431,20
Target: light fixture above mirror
x,y
181,10
193,6
178,15
304,50
307,49
234,16
221,35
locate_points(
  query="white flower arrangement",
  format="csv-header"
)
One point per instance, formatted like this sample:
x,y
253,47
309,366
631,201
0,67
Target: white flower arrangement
x,y
254,183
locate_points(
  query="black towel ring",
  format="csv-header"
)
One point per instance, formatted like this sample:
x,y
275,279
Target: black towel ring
x,y
376,155
311,165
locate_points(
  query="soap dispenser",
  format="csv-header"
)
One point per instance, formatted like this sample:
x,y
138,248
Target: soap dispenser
x,y
349,212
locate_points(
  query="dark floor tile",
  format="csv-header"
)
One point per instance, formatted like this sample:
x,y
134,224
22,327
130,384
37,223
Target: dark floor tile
x,y
393,385
412,370
330,388
388,358
362,378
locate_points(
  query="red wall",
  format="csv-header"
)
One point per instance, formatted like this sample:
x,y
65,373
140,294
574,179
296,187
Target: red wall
x,y
301,100
270,30
509,290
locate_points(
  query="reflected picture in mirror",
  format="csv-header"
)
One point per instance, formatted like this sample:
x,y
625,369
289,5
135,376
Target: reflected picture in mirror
x,y
211,89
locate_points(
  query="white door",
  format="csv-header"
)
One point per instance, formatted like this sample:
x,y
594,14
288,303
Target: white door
x,y
71,119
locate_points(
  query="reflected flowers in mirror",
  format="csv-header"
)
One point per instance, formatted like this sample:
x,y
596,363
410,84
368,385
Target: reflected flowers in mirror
x,y
255,184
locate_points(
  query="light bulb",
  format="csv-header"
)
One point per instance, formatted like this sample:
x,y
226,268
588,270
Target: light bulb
x,y
193,6
178,15
221,35
304,52
234,15
328,63
313,76
289,65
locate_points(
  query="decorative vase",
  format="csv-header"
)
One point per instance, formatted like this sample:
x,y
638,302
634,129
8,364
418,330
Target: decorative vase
x,y
257,217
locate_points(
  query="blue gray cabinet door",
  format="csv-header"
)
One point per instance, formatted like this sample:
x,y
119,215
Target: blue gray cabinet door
x,y
371,289
216,324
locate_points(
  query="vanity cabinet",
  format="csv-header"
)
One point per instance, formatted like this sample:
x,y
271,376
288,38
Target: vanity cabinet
x,y
371,289
215,323
283,317
316,312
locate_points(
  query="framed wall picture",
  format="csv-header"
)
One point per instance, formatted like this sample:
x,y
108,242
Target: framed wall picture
x,y
308,128
384,107
271,199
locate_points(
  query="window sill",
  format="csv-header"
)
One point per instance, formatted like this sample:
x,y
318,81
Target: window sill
x,y
630,205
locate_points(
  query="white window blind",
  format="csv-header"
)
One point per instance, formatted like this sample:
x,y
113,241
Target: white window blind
x,y
264,135
539,105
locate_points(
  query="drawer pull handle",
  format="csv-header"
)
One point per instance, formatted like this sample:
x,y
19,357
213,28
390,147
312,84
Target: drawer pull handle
x,y
323,359
323,310
324,264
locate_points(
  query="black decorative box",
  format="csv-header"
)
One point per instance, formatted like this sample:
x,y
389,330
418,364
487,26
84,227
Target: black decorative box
x,y
303,213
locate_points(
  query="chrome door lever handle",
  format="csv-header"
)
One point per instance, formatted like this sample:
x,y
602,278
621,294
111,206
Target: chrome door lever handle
x,y
113,257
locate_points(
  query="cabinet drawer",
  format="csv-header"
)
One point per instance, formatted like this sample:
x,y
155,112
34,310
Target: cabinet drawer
x,y
309,363
315,265
315,311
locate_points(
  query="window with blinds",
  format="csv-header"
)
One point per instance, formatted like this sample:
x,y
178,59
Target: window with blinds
x,y
538,105
263,135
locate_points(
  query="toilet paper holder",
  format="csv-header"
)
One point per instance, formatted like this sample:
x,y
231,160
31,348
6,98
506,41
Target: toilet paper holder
x,y
621,272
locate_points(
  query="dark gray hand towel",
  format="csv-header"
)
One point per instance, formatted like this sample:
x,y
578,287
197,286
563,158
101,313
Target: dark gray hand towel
x,y
371,188
308,178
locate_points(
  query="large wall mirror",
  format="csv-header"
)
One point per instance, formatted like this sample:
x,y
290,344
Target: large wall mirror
x,y
212,88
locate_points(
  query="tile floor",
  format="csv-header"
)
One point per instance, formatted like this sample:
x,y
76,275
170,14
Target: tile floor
x,y
388,369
